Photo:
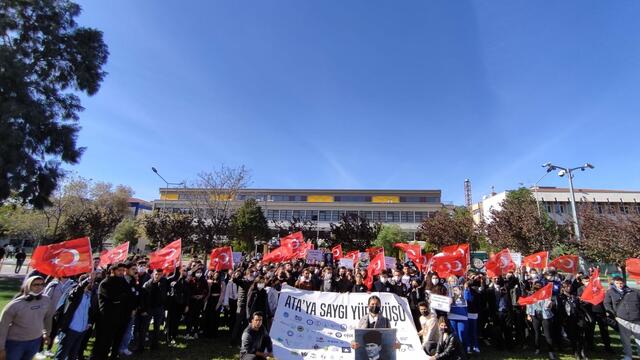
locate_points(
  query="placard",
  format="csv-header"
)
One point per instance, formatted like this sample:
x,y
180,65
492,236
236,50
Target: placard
x,y
389,262
237,258
346,262
315,256
440,302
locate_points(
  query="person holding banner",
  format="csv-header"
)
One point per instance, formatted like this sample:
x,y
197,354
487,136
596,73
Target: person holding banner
x,y
374,319
599,316
573,319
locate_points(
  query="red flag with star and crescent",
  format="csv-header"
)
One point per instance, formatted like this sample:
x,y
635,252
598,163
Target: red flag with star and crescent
x,y
413,252
632,266
354,256
167,258
447,265
63,259
115,255
537,260
543,294
566,263
221,259
374,251
458,248
277,255
337,252
376,265
294,241
594,292
500,263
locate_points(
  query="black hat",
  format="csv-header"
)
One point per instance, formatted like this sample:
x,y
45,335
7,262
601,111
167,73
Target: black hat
x,y
373,337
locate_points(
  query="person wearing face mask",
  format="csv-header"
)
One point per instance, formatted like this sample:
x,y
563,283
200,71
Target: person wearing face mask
x,y
258,299
25,321
359,286
77,318
343,283
214,301
374,318
433,285
199,289
328,282
415,296
382,285
572,317
449,347
428,325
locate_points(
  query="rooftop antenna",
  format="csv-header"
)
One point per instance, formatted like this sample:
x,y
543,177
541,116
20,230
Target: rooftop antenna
x,y
467,193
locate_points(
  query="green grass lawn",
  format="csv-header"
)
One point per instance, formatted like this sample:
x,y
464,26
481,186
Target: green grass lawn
x,y
218,348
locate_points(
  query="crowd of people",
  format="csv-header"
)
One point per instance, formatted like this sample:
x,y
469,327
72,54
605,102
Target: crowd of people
x,y
129,308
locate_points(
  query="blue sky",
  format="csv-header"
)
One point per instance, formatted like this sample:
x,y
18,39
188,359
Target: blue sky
x,y
366,94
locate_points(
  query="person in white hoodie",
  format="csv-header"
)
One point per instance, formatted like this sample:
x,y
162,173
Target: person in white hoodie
x,y
25,322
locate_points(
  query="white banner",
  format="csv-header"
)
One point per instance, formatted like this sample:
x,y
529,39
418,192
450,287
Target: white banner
x,y
321,325
439,302
315,256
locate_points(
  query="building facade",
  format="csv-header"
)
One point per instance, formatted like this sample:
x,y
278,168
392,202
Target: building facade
x,y
406,208
556,202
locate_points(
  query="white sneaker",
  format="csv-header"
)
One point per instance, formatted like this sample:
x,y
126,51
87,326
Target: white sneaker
x,y
48,353
126,352
40,356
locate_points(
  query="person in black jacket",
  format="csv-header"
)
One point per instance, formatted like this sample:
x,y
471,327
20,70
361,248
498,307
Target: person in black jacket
x,y
599,316
114,303
382,284
343,283
154,300
77,317
359,286
257,300
624,303
198,289
415,297
179,295
243,283
449,347
573,319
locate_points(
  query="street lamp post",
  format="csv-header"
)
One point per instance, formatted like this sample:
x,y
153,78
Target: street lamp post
x,y
165,181
569,172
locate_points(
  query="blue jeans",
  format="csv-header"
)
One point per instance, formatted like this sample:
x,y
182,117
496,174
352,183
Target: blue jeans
x,y
69,346
22,350
459,328
472,333
128,335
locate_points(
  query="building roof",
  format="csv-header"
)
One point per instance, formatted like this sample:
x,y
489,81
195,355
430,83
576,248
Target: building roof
x,y
320,191
558,189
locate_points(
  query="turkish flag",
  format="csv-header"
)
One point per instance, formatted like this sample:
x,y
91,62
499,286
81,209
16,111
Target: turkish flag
x,y
167,258
537,260
115,255
500,263
221,259
63,259
594,292
413,251
632,266
447,265
376,265
277,255
293,241
301,253
337,251
373,251
460,248
543,294
423,262
566,263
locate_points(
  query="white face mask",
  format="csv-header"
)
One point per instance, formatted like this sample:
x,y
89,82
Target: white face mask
x,y
260,286
405,279
435,281
383,280
198,274
33,293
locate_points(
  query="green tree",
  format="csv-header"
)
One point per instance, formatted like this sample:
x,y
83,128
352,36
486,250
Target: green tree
x,y
285,227
353,232
388,236
126,231
447,227
46,61
519,227
249,224
163,227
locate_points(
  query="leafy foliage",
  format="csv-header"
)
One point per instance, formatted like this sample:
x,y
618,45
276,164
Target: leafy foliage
x,y
127,231
45,60
354,232
249,224
519,227
389,235
163,227
449,228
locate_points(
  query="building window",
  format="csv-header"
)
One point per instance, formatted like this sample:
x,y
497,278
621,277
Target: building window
x,y
548,207
624,209
286,215
273,215
599,209
242,197
419,199
288,197
366,215
298,214
638,209
559,208
324,215
310,215
335,215
393,216
421,215
379,216
352,198
406,216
